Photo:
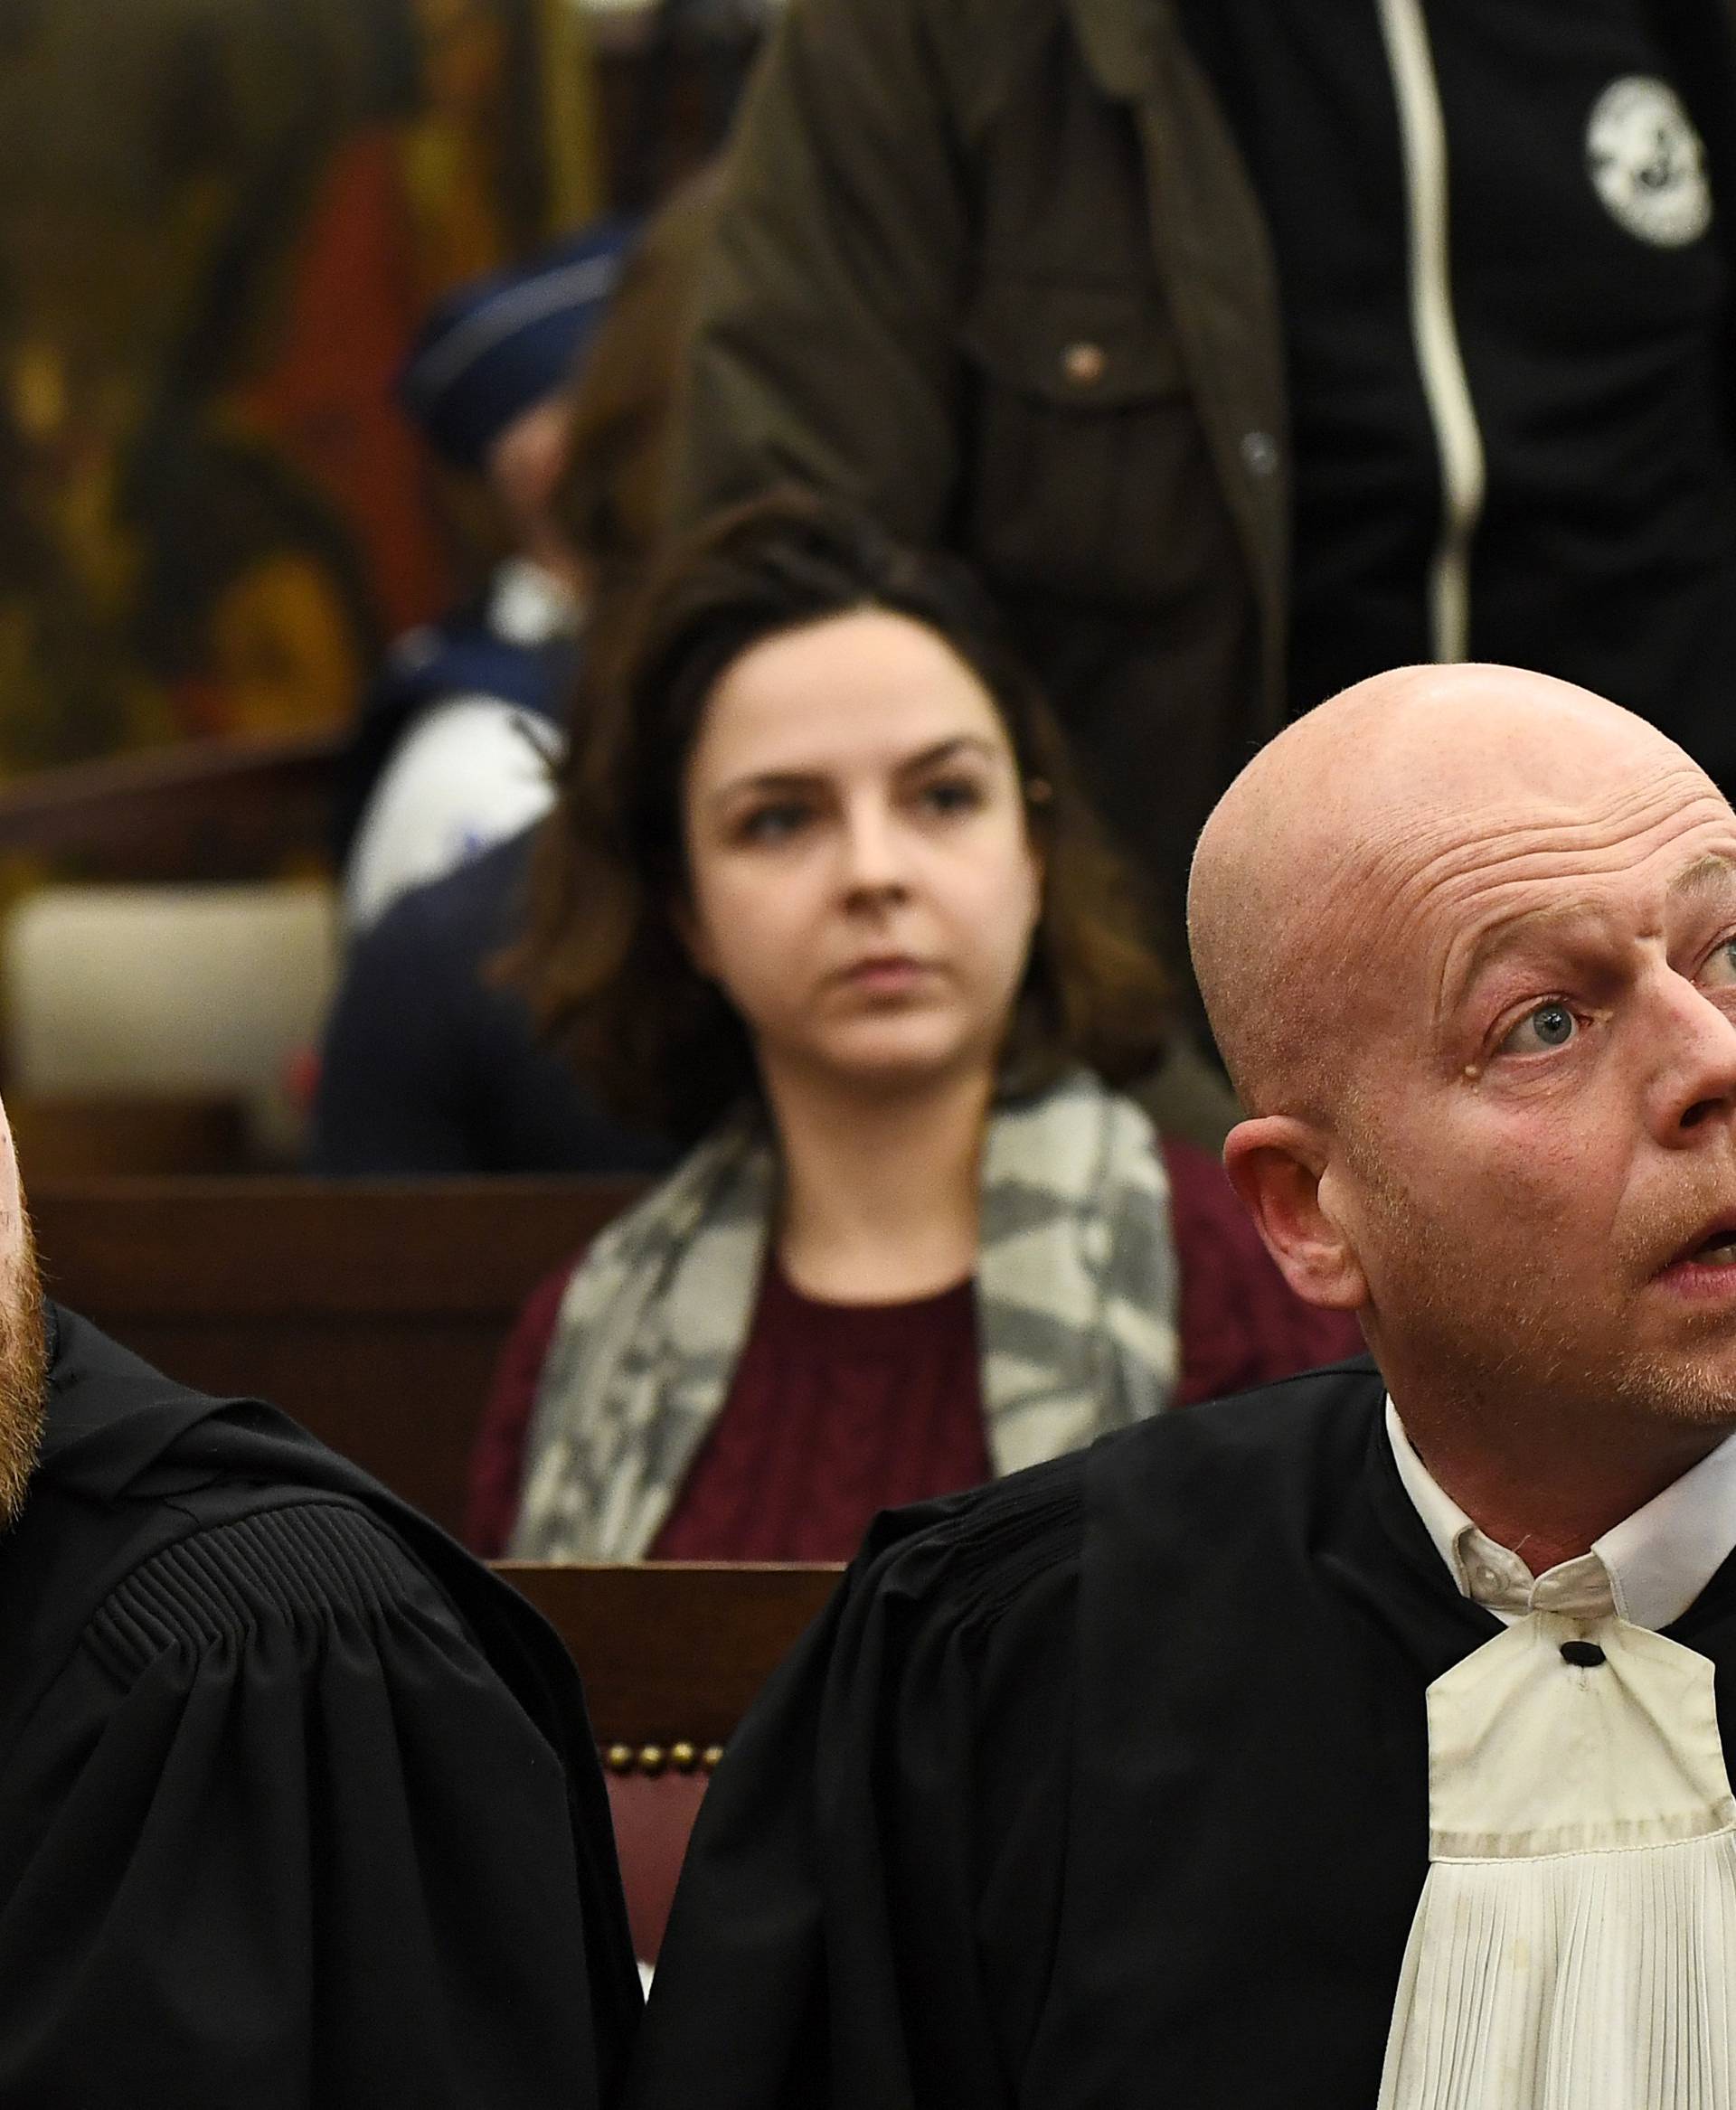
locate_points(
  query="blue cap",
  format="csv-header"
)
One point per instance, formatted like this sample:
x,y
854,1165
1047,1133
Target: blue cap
x,y
500,344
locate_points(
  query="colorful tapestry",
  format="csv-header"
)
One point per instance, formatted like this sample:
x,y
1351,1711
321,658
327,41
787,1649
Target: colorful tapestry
x,y
220,221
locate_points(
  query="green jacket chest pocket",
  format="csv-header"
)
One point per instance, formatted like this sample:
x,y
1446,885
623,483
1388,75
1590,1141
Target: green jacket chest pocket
x,y
1083,463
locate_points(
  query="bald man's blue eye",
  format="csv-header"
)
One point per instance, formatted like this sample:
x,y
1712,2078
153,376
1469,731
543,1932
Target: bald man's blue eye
x,y
1550,1026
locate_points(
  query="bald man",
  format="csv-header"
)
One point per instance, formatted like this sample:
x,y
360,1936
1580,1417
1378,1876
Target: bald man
x,y
1358,1741
299,1808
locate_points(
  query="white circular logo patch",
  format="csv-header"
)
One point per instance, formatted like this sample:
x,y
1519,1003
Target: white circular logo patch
x,y
1648,163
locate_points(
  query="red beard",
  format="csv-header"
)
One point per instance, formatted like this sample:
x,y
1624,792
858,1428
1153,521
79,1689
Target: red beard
x,y
24,1381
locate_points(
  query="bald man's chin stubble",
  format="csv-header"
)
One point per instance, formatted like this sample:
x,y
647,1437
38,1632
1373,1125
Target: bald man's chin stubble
x,y
1691,1390
24,1381
1487,1342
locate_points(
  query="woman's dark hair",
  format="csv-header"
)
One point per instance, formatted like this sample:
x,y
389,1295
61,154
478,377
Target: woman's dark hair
x,y
601,961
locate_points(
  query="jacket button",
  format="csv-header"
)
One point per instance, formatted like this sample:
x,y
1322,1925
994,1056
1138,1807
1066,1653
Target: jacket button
x,y
1084,363
1259,452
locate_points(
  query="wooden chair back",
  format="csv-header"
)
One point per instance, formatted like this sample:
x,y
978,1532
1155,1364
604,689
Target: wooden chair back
x,y
126,1136
372,1312
672,1655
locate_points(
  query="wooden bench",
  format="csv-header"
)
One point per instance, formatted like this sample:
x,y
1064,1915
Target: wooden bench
x,y
371,1310
127,1135
672,1655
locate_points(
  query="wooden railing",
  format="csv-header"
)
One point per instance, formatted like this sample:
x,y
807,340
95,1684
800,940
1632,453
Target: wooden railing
x,y
202,810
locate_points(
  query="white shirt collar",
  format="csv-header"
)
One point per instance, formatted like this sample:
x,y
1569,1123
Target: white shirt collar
x,y
1649,1568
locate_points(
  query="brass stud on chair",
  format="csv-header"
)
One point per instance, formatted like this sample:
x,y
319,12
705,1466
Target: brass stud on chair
x,y
711,1758
620,1757
684,1757
653,1759
1084,363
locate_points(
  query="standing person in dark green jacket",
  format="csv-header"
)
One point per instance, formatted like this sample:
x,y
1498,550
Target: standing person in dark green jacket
x,y
1248,348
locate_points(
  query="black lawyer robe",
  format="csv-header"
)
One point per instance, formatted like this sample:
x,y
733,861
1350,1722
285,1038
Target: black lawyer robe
x,y
1106,1785
300,1808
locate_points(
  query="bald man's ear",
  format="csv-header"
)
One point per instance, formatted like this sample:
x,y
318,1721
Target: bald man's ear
x,y
1276,1165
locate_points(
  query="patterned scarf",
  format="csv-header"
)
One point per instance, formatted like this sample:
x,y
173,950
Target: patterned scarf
x,y
1076,1297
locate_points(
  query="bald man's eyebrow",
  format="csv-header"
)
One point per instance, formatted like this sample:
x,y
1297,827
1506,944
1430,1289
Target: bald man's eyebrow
x,y
1529,927
1711,875
1708,879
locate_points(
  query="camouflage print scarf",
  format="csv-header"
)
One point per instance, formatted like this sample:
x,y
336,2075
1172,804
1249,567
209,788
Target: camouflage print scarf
x,y
1076,1295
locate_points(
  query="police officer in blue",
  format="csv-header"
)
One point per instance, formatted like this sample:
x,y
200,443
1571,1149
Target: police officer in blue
x,y
451,750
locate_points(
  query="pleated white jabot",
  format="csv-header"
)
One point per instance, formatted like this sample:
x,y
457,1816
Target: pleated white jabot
x,y
1574,1947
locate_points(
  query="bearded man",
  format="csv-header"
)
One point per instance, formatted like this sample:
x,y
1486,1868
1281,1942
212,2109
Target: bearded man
x,y
298,1806
1360,1740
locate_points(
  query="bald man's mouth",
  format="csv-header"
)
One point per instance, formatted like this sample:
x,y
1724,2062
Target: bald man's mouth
x,y
1704,1264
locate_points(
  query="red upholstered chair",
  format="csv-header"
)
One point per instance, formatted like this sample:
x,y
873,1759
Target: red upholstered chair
x,y
671,1653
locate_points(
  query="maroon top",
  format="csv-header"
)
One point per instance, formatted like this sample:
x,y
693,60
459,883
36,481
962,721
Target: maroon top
x,y
838,1410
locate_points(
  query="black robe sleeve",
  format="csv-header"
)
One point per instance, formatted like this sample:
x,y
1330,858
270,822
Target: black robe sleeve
x,y
868,1908
277,1836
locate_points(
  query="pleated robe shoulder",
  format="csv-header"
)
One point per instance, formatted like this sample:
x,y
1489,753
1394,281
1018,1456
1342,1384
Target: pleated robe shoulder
x,y
298,1806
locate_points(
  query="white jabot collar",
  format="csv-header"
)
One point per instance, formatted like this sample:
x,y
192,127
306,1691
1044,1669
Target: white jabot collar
x,y
1648,1568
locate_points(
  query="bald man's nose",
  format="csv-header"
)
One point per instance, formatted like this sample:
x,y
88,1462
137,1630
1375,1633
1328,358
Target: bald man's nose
x,y
1698,1082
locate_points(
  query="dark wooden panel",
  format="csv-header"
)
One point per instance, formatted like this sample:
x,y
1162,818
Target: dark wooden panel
x,y
207,809
673,1652
403,1400
198,1248
127,1136
372,1312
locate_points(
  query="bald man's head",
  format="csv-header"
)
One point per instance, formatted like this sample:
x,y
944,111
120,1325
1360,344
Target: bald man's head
x,y
1467,937
1312,870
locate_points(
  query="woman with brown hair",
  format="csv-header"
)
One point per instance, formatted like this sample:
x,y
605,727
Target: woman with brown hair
x,y
825,902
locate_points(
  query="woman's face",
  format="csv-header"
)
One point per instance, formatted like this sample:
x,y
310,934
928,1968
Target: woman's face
x,y
863,887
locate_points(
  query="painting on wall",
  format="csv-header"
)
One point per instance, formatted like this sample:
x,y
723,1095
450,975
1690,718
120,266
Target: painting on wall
x,y
220,222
